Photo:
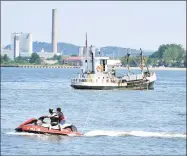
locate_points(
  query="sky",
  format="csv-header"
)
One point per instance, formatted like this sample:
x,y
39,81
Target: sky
x,y
136,24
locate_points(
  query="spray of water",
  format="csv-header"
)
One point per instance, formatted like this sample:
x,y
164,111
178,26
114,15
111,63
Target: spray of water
x,y
134,133
97,133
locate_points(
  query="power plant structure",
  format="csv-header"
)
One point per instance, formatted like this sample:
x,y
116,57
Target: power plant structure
x,y
21,44
54,31
54,50
16,50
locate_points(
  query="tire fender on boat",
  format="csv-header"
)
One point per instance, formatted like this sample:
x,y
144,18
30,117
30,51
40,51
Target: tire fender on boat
x,y
98,68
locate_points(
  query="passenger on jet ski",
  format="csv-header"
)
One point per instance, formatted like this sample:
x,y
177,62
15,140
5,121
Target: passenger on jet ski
x,y
53,117
61,118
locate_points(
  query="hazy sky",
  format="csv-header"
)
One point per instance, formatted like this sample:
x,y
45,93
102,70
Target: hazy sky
x,y
126,24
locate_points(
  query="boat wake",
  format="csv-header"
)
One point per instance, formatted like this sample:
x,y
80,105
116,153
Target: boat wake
x,y
134,133
96,133
21,133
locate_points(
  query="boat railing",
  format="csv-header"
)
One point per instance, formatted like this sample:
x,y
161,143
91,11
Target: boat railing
x,y
108,80
81,80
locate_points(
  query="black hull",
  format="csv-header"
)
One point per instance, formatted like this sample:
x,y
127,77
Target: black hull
x,y
130,86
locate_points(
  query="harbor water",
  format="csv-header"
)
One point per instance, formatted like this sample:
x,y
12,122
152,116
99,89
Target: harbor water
x,y
114,122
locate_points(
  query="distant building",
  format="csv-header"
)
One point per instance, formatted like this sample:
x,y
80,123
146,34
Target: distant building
x,y
82,51
74,61
116,63
16,46
77,61
50,61
46,55
25,44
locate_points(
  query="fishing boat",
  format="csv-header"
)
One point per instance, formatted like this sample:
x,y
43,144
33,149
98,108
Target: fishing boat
x,y
96,74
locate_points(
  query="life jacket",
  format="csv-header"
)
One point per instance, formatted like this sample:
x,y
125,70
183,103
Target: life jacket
x,y
61,116
54,119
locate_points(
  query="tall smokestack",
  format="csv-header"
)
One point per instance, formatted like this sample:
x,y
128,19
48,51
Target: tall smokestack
x,y
54,33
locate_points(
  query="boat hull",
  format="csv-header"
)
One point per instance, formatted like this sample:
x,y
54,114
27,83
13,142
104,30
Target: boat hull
x,y
30,127
130,86
43,130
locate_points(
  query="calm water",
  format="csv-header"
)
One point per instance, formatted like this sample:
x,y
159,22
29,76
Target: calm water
x,y
114,122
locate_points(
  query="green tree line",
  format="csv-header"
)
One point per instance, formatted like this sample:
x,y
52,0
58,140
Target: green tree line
x,y
168,55
34,59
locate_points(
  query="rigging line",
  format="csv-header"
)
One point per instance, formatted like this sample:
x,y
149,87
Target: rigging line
x,y
136,63
146,64
87,118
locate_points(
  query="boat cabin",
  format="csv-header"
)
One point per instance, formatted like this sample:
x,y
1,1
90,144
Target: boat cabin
x,y
94,65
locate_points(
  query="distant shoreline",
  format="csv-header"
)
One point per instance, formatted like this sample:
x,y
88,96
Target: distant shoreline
x,y
39,66
153,68
62,66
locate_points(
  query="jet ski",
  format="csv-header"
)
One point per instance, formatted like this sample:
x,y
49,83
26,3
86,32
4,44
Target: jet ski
x,y
38,126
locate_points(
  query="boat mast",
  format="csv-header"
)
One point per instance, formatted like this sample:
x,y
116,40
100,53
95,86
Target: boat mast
x,y
92,57
141,57
86,52
128,54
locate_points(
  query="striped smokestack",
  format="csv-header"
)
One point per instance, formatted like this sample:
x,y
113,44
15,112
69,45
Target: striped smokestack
x,y
54,33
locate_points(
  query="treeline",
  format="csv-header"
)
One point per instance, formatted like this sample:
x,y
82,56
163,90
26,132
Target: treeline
x,y
34,59
169,55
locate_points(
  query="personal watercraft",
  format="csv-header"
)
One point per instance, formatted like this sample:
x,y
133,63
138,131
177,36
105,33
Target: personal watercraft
x,y
38,126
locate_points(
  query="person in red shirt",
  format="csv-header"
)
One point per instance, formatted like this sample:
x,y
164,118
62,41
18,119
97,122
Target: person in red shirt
x,y
61,118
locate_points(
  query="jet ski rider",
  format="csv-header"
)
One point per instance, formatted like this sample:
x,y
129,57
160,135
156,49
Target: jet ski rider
x,y
53,117
61,118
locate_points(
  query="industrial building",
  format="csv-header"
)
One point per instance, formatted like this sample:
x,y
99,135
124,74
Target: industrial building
x,y
77,61
114,62
45,55
82,51
21,44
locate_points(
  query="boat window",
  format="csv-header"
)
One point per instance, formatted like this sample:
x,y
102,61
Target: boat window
x,y
104,63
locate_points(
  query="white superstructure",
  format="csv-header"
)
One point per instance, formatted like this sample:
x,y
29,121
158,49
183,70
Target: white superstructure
x,y
16,46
